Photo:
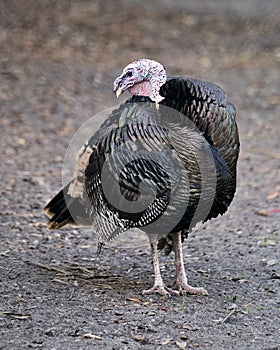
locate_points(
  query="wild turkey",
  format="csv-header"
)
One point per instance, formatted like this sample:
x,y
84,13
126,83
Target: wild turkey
x,y
163,161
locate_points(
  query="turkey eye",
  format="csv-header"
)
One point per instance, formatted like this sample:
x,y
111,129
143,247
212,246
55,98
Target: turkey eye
x,y
129,74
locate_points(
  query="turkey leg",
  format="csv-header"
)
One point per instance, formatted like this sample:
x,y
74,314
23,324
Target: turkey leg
x,y
181,277
159,287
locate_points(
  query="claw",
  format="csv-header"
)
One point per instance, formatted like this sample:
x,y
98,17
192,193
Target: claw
x,y
187,289
181,281
162,290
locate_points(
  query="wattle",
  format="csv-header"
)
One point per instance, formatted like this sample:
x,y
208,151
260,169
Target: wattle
x,y
144,88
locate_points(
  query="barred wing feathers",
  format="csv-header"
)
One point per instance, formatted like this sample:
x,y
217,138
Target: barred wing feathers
x,y
207,106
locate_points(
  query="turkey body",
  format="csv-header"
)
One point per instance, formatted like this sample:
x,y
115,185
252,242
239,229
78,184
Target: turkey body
x,y
158,167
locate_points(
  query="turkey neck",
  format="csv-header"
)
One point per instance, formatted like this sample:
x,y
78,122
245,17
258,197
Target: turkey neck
x,y
144,88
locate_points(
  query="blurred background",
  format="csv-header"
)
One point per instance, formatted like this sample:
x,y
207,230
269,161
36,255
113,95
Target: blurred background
x,y
58,60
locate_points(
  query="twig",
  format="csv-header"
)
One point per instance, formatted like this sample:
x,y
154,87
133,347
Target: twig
x,y
49,268
227,317
60,281
14,315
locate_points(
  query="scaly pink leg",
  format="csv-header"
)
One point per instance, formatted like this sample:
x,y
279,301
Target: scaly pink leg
x,y
181,277
159,287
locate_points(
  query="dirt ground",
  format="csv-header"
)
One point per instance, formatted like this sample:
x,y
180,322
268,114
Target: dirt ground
x,y
58,60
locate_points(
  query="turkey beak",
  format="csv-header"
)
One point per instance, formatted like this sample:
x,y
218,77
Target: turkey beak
x,y
119,86
119,92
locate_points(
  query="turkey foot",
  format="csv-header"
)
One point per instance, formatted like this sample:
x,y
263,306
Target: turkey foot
x,y
161,289
185,288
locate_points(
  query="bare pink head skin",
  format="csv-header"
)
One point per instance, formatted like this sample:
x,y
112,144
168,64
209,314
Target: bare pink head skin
x,y
142,77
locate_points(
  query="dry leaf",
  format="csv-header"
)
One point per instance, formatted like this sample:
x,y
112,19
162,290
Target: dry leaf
x,y
273,195
21,141
166,342
184,336
263,212
138,337
136,300
181,344
190,328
